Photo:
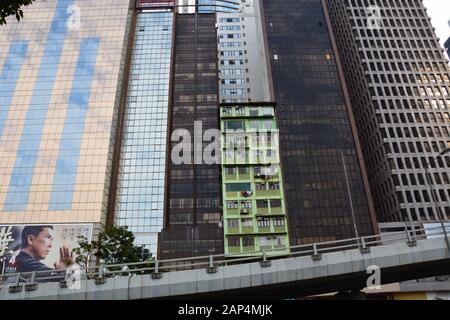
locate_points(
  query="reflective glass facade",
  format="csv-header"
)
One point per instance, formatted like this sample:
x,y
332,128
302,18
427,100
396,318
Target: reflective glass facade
x,y
59,78
315,127
211,6
143,152
193,216
207,6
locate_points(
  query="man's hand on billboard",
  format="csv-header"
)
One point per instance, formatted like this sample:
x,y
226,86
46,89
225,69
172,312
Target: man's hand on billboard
x,y
65,259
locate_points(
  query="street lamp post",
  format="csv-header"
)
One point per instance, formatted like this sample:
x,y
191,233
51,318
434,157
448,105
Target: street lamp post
x,y
350,195
439,211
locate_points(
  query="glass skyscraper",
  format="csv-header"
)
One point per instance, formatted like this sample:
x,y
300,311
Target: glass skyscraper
x,y
193,213
211,6
60,81
141,183
207,6
318,138
92,94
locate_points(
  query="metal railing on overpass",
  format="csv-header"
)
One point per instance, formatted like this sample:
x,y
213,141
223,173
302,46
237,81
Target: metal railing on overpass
x,y
157,268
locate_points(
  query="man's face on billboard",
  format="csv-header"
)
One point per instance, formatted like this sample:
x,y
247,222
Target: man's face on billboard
x,y
42,244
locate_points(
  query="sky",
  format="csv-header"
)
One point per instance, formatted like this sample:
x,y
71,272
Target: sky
x,y
439,11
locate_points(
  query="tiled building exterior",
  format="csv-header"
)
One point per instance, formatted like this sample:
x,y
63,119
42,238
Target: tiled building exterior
x,y
399,82
61,71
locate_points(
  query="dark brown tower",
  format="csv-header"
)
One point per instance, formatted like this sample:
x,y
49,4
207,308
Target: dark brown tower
x,y
316,126
193,214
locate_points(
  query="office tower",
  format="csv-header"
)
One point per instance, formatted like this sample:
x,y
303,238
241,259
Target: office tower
x,y
193,213
61,74
254,209
95,101
172,86
318,140
447,47
399,84
243,72
143,140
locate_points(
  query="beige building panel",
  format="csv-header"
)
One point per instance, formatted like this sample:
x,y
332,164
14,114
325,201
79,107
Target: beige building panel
x,y
42,184
104,19
10,139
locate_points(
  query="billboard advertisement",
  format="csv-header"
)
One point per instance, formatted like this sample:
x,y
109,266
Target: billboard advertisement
x,y
27,248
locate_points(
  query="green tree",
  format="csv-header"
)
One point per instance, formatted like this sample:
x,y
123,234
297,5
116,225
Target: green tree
x,y
83,252
114,246
12,8
143,254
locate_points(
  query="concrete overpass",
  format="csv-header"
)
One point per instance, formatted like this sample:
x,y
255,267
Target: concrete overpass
x,y
309,270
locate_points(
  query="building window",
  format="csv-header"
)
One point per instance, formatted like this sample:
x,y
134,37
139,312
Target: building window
x,y
262,204
232,205
280,241
229,20
238,187
275,203
233,223
260,186
244,170
234,125
230,170
263,222
240,111
234,242
248,241
231,92
246,205
279,222
247,223
227,111
274,186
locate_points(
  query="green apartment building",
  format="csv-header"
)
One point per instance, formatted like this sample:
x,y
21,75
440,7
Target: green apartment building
x,y
254,209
